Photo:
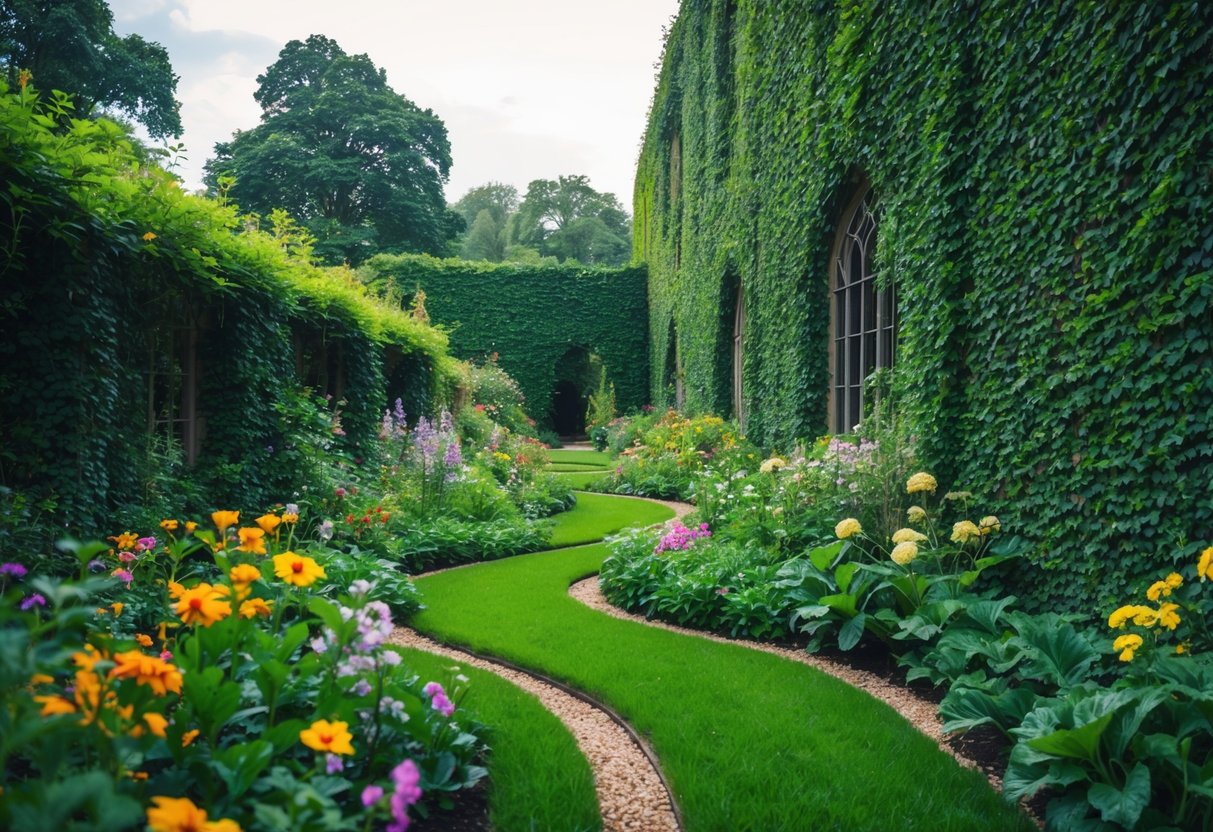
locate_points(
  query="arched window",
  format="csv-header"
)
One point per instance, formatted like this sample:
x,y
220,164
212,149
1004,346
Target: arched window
x,y
738,358
863,318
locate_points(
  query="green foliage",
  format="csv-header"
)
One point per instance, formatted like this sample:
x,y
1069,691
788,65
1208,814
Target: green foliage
x,y
108,268
536,319
569,220
70,45
359,165
1047,222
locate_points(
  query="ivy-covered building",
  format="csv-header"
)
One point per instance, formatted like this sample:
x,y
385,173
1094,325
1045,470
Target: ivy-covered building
x,y
1008,204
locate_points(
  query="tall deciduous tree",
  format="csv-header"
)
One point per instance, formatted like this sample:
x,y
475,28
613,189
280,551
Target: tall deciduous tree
x,y
486,210
359,165
570,220
70,45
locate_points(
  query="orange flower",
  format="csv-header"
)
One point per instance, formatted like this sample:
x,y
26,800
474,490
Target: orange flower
x,y
126,540
143,640
179,814
290,518
189,736
117,607
190,525
157,723
268,522
331,737
298,570
256,606
202,605
252,539
152,671
175,590
224,520
244,573
169,525
55,705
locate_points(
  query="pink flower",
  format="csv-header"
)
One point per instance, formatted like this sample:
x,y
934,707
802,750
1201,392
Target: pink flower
x,y
371,795
145,543
123,575
126,557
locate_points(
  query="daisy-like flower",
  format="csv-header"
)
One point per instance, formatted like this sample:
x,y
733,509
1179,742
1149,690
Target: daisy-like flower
x,y
328,737
298,570
224,520
254,607
203,605
252,539
154,672
179,814
268,522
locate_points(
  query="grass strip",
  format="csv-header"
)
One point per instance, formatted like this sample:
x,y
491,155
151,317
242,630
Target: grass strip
x,y
599,458
566,467
538,777
580,479
597,515
748,741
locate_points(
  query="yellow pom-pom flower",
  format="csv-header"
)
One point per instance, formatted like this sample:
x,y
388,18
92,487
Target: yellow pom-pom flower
x,y
990,523
916,514
922,481
903,554
908,536
964,531
773,464
847,528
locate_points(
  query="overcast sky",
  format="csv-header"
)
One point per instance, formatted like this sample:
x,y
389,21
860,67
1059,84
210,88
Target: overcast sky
x,y
529,89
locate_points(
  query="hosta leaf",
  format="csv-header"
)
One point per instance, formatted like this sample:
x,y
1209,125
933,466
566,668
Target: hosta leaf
x,y
851,632
987,615
1026,775
965,708
1123,806
1054,652
1080,743
823,557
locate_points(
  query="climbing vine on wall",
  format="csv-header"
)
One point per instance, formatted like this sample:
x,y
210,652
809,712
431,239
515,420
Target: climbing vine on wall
x,y
531,316
1046,179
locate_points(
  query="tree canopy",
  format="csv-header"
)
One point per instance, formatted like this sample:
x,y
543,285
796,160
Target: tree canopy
x,y
568,219
486,210
359,165
70,45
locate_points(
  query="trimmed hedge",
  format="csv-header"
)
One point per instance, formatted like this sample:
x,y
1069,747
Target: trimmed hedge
x,y
531,316
1045,175
103,258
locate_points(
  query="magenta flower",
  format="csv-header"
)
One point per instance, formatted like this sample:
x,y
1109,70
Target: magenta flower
x,y
145,544
126,557
13,570
408,791
443,705
124,575
432,689
371,795
31,601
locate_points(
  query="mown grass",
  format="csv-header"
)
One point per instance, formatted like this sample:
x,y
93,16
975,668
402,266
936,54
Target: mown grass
x,y
599,458
538,778
748,741
597,515
582,479
567,467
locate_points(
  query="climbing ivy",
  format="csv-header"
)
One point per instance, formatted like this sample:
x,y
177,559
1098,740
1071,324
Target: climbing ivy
x,y
1045,175
104,261
531,316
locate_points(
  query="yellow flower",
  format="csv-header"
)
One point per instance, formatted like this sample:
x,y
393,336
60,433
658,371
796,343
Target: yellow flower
x,y
169,525
175,590
1204,568
189,736
190,525
922,481
290,518
244,574
55,705
958,495
1180,649
1167,616
1158,589
904,553
268,522
224,520
990,523
332,737
256,606
179,814
152,671
203,605
1174,580
916,514
149,236
964,531
908,536
1128,645
298,570
773,464
124,541
252,539
117,607
847,528
40,679
157,723
1140,615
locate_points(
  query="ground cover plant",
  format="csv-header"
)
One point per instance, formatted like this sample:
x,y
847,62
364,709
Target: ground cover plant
x,y
781,717
225,690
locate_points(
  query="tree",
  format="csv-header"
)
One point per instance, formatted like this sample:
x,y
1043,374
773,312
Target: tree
x,y
359,165
70,45
567,218
485,240
499,199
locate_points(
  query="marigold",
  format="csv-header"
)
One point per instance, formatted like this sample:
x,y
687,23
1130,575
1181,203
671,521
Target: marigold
x,y
252,539
847,528
298,570
169,525
903,554
152,671
1128,645
1168,616
916,514
964,531
1204,567
268,522
224,520
203,605
254,607
990,523
908,536
179,814
922,481
331,737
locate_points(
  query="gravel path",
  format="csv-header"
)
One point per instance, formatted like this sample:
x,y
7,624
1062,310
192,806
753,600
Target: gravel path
x,y
631,795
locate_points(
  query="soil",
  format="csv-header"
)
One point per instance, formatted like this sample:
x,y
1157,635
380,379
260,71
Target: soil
x,y
470,813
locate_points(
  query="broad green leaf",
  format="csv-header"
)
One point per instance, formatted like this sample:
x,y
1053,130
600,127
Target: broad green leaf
x,y
241,764
1080,743
843,603
851,632
843,575
823,557
965,708
1123,806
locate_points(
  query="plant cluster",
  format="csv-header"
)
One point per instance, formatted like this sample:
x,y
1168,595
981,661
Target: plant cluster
x,y
1047,227
232,685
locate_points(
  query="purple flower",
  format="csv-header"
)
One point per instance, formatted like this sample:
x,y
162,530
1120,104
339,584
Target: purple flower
x,y
325,532
433,689
31,601
332,764
291,508
13,570
443,705
371,795
408,791
124,575
361,688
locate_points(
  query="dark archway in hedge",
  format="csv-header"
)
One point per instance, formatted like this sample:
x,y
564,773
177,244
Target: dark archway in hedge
x,y
531,316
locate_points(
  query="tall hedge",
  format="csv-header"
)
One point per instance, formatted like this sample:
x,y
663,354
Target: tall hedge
x,y
100,254
531,316
1045,175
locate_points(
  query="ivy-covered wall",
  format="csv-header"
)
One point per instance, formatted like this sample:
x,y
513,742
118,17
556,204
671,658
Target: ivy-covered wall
x,y
1045,176
531,317
113,282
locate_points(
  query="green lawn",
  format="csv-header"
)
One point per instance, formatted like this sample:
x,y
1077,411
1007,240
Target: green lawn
x,y
597,515
749,741
538,778
581,479
599,458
